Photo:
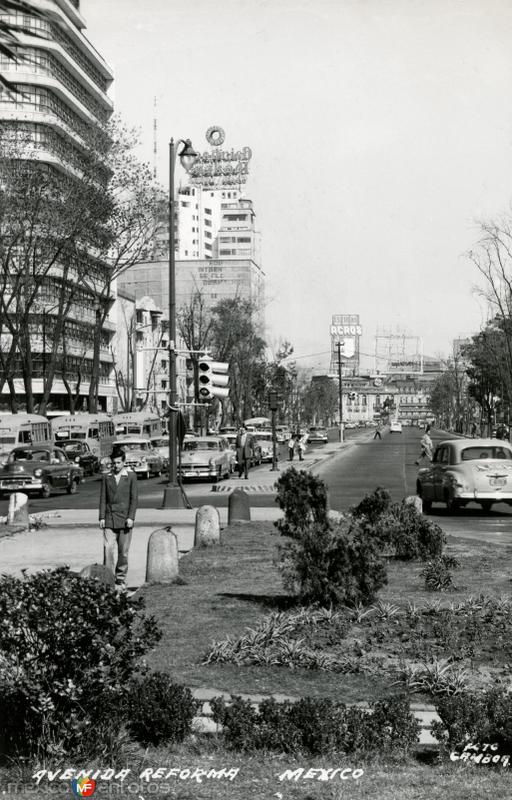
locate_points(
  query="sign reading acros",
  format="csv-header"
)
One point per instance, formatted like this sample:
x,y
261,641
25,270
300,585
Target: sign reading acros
x,y
346,330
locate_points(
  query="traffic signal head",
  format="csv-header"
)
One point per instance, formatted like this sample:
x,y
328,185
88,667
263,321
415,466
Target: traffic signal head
x,y
213,378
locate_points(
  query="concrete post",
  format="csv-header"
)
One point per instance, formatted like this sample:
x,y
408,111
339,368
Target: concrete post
x,y
18,510
239,508
207,530
162,559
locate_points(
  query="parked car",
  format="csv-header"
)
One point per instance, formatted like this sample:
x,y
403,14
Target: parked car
x,y
140,455
160,445
318,435
39,469
395,426
206,457
263,445
465,470
79,451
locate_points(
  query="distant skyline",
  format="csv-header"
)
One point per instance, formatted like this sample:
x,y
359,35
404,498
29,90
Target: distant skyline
x,y
381,133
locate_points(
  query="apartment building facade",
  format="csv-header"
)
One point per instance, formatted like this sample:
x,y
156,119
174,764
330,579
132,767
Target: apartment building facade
x,y
62,85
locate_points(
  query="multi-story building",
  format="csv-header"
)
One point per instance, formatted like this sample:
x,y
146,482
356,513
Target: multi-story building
x,y
216,279
218,250
62,84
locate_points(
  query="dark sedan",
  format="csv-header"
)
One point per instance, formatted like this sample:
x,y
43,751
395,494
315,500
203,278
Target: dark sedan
x,y
39,469
80,452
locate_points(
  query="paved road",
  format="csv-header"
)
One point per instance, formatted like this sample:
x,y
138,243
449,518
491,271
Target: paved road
x,y
390,463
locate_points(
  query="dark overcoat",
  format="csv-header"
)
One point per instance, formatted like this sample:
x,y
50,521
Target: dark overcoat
x,y
118,502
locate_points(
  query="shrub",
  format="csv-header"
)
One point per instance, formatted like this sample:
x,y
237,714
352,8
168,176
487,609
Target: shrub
x,y
160,711
373,505
409,533
337,564
438,575
69,646
316,726
303,498
485,716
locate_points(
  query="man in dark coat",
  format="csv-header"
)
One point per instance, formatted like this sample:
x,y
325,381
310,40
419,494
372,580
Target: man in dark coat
x,y
118,504
244,448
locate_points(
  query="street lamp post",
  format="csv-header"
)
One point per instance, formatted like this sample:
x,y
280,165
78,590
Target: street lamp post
x,y
173,494
340,389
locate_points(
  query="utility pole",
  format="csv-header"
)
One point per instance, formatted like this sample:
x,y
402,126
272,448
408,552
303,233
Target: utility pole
x,y
340,388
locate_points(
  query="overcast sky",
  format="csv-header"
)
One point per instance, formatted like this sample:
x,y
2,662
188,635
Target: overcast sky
x,y
381,133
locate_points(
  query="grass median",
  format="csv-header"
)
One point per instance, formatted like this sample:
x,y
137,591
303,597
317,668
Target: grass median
x,y
235,587
232,589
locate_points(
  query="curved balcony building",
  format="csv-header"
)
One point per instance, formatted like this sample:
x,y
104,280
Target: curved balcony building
x,y
60,99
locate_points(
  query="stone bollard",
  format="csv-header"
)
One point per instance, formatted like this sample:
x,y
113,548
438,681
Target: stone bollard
x,y
162,561
207,530
18,510
239,508
414,500
99,572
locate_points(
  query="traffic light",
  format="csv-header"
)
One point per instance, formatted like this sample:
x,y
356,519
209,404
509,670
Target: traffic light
x,y
213,378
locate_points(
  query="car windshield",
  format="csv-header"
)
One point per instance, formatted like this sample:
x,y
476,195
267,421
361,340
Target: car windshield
x,y
199,444
71,448
29,455
487,451
133,445
160,442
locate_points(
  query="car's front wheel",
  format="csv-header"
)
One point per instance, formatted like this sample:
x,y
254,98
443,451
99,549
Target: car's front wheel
x,y
486,505
452,505
46,490
426,503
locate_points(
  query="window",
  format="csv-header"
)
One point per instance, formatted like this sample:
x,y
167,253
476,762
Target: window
x,y
207,211
208,234
208,222
163,363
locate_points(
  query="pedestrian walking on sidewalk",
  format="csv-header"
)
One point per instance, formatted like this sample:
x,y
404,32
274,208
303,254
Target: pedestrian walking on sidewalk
x,y
244,448
302,441
291,448
118,505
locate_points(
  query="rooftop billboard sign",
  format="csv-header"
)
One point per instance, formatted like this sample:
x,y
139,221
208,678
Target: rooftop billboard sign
x,y
216,168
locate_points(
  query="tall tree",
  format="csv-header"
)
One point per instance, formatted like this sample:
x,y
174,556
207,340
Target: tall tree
x,y
64,239
236,339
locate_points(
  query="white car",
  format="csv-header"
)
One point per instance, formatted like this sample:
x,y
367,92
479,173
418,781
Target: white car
x,y
207,457
395,426
160,445
140,455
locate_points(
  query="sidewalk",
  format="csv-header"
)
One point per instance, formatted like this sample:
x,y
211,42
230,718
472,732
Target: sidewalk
x,y
73,537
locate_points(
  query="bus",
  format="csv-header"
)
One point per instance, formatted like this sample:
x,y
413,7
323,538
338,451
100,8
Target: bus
x,y
22,429
138,423
95,429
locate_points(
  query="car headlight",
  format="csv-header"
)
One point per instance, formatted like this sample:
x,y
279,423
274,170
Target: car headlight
x,y
38,473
